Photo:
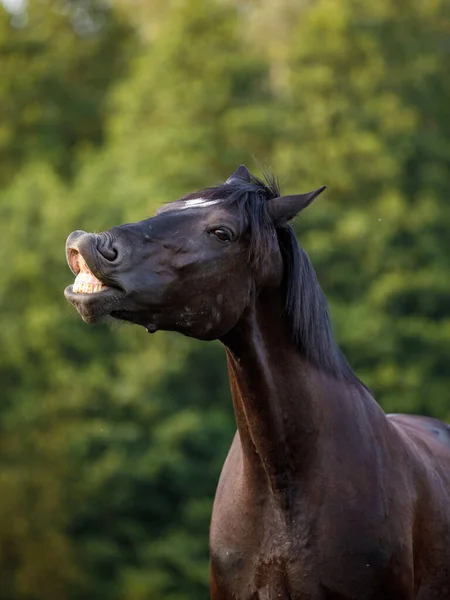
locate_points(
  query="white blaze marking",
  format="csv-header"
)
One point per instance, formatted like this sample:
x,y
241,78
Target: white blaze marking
x,y
184,204
197,203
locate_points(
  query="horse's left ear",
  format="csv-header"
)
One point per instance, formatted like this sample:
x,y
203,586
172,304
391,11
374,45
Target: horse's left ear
x,y
241,173
285,208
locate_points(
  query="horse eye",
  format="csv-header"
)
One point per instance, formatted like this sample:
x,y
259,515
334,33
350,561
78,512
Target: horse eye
x,y
222,234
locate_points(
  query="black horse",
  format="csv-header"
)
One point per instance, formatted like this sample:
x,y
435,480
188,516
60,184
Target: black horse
x,y
322,495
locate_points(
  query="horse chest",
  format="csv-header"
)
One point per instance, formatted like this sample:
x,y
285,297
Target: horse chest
x,y
251,555
241,574
269,573
257,554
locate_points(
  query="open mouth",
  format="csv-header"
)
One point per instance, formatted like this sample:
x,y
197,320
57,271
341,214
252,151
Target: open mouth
x,y
85,281
92,298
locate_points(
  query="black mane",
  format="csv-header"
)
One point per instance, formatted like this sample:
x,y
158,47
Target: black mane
x,y
305,306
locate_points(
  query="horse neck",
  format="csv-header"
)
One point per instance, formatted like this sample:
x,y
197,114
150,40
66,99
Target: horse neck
x,y
282,403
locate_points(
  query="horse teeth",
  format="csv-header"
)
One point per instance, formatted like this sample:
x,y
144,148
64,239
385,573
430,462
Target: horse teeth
x,y
87,283
88,288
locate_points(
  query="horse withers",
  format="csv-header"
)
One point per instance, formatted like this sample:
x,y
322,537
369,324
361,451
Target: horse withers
x,y
322,496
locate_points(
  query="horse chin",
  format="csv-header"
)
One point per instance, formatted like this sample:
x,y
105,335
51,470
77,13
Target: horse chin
x,y
135,317
156,321
94,306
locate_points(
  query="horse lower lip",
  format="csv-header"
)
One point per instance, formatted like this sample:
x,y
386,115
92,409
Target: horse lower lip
x,y
93,306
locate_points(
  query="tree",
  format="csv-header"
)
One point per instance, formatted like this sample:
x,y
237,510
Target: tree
x,y
59,60
367,113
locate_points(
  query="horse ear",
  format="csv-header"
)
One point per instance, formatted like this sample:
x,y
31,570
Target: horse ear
x,y
285,208
241,173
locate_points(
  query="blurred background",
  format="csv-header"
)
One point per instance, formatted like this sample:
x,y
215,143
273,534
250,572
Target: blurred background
x,y
112,441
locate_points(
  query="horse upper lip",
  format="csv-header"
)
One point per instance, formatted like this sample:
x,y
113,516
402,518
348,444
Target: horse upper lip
x,y
81,254
72,260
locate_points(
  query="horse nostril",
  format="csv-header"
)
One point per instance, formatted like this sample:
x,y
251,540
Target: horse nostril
x,y
107,249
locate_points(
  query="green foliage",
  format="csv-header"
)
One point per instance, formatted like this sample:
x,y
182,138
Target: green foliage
x,y
58,61
111,441
368,94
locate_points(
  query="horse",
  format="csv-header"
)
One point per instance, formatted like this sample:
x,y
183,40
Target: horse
x,y
322,495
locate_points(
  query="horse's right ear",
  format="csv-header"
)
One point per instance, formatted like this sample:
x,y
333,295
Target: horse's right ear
x,y
285,208
241,173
